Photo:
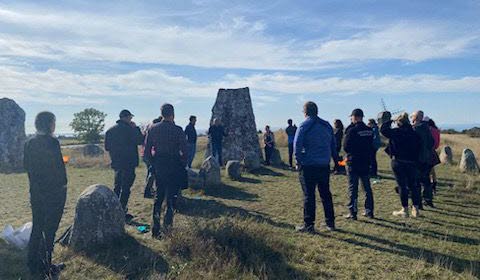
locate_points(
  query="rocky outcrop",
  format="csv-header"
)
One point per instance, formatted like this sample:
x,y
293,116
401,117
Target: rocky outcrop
x,y
92,150
234,169
468,163
99,219
12,136
233,107
210,172
446,155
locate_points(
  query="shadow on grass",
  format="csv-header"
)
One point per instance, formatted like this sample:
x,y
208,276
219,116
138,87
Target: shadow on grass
x,y
129,258
455,213
455,264
229,192
212,209
264,171
249,180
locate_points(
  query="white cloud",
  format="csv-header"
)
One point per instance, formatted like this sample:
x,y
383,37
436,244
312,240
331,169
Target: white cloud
x,y
231,43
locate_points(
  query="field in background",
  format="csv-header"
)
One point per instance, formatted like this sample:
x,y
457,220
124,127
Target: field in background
x,y
244,230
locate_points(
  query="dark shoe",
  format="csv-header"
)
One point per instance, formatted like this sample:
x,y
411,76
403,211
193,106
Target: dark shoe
x,y
368,215
128,217
429,204
397,190
148,194
330,228
420,207
305,229
55,269
350,217
156,235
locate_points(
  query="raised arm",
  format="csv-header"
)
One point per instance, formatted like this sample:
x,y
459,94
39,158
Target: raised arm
x,y
386,129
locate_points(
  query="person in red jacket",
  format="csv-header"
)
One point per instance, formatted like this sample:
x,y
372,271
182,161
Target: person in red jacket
x,y
436,144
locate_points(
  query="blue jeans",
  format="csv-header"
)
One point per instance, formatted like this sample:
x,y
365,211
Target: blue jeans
x,y
217,152
353,180
192,149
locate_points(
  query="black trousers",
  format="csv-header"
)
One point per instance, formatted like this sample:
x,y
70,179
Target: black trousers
x,y
423,181
353,180
217,152
311,179
373,163
405,174
47,211
268,154
124,179
167,172
290,154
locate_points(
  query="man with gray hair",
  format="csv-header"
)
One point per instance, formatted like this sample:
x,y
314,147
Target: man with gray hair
x,y
424,158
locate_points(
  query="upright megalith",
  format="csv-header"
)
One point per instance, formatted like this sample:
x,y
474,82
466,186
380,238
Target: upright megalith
x,y
12,136
468,163
446,155
99,219
233,108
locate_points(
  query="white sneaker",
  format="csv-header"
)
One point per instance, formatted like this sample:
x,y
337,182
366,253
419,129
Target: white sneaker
x,y
401,213
415,212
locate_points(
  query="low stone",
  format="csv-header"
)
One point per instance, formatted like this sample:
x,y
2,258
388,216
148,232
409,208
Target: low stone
x,y
99,219
12,136
195,181
234,169
276,159
468,163
92,150
446,155
210,172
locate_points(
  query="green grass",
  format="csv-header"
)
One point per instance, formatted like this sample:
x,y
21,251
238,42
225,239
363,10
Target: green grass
x,y
244,230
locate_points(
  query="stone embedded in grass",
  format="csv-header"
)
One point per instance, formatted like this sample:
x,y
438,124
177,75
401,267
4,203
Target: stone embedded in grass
x,y
12,136
99,219
234,169
468,163
195,181
92,150
210,172
446,155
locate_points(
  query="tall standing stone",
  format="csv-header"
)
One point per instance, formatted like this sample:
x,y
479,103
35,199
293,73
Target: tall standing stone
x,y
446,155
99,219
12,136
468,163
233,108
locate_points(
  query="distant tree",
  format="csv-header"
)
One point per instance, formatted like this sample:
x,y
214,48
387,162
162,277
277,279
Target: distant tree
x,y
88,125
472,132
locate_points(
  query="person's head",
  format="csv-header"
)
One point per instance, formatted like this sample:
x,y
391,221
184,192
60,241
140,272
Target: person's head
x,y
290,122
193,120
356,116
417,116
372,123
157,120
45,123
125,115
310,109
168,112
337,124
267,128
402,119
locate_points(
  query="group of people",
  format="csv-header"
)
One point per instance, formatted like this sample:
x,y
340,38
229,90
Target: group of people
x,y
412,144
169,151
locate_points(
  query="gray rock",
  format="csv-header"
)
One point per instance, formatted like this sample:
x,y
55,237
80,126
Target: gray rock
x,y
195,181
233,108
210,172
12,136
99,219
92,150
234,169
276,159
446,155
468,163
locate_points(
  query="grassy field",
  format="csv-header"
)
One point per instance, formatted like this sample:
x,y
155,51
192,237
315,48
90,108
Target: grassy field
x,y
244,230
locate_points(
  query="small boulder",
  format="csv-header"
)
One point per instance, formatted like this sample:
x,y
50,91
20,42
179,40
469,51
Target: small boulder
x,y
92,150
276,159
195,181
234,169
210,172
446,155
99,219
468,163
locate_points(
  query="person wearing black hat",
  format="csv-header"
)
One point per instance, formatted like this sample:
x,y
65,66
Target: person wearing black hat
x,y
122,141
358,145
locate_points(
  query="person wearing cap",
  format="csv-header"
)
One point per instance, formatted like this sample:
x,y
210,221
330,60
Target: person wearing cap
x,y
170,159
122,141
358,146
424,165
314,145
290,131
191,133
403,148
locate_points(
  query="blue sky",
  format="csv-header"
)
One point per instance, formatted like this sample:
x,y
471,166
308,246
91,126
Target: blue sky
x,y
112,55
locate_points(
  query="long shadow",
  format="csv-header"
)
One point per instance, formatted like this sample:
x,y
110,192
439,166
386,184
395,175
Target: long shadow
x,y
263,171
455,264
229,192
469,205
454,213
473,228
129,258
429,233
249,180
212,209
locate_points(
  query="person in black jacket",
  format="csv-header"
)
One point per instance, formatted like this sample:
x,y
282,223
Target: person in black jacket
x,y
424,165
358,145
216,132
338,133
44,164
290,131
122,141
191,134
403,148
